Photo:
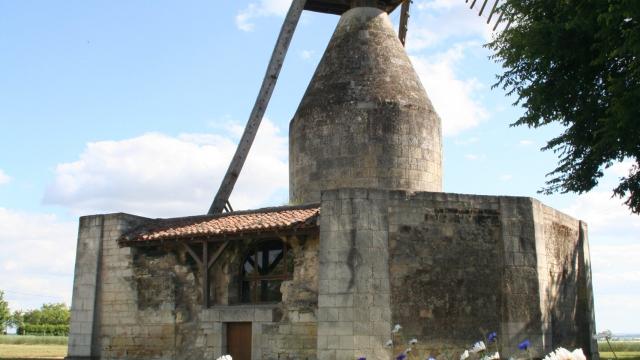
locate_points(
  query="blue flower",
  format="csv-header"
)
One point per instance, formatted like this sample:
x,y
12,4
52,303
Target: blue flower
x,y
362,358
431,358
524,345
402,356
492,337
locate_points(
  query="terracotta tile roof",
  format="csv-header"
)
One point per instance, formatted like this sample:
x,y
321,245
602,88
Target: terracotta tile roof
x,y
234,223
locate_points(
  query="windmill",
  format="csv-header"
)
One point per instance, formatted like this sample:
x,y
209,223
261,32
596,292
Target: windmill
x,y
336,7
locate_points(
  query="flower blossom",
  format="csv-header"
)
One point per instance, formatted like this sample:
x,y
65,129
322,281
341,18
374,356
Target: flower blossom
x,y
389,343
492,337
494,356
524,345
362,358
413,341
477,347
464,355
564,354
225,357
431,358
401,356
396,329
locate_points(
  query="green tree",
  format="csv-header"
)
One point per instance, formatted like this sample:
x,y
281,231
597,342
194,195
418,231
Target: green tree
x,y
48,314
577,63
5,315
17,320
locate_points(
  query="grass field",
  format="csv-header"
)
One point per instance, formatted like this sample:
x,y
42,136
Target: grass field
x,y
33,340
620,346
626,355
22,351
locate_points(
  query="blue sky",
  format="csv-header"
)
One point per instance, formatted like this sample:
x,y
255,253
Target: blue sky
x,y
136,106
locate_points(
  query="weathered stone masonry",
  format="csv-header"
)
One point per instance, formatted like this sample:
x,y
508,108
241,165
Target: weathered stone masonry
x,y
377,244
146,302
442,265
446,266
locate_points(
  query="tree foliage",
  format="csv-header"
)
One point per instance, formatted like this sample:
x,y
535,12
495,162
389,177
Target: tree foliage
x,y
48,314
5,315
577,63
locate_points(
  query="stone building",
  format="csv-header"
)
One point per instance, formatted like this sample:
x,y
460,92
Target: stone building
x,y
375,242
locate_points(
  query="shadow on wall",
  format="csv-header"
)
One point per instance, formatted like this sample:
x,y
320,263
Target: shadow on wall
x,y
569,292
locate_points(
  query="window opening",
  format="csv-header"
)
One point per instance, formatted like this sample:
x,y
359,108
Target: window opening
x,y
264,268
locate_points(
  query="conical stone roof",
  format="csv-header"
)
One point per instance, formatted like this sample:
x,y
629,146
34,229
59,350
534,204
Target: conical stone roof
x,y
365,120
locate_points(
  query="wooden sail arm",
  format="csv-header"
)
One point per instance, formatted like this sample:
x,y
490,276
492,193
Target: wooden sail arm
x,y
404,21
268,84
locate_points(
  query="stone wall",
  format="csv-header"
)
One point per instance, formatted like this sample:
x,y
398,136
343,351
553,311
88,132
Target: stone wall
x,y
354,313
145,302
96,248
446,267
568,281
457,266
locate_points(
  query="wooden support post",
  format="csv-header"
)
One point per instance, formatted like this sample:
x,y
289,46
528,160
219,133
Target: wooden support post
x,y
205,274
268,84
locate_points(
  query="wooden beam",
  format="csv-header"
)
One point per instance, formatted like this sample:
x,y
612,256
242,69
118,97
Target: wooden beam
x,y
193,254
404,21
205,274
268,84
217,254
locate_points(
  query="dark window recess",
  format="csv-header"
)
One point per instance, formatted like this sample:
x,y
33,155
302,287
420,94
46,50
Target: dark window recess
x,y
265,267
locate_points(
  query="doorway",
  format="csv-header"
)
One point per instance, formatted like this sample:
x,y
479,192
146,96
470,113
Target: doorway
x,y
239,340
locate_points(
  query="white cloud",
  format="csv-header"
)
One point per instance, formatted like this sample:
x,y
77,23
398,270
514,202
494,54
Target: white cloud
x,y
466,142
162,176
506,177
454,99
525,142
37,258
620,169
606,217
618,312
441,21
263,8
4,178
307,54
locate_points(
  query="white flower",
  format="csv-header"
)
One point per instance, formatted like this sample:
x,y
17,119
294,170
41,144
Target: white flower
x,y
407,350
494,356
413,341
225,357
389,343
564,354
464,355
578,354
477,347
396,329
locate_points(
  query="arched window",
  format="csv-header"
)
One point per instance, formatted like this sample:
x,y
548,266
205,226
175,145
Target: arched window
x,y
264,269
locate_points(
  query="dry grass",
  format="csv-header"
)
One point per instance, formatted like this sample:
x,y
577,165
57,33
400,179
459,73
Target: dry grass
x,y
626,355
33,340
13,352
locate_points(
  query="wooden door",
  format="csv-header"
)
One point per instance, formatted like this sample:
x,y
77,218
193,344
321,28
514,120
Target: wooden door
x,y
239,340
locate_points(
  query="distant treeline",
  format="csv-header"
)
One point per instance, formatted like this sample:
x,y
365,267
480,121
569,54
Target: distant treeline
x,y
50,319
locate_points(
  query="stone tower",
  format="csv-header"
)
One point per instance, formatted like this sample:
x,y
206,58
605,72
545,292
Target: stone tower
x,y
365,120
